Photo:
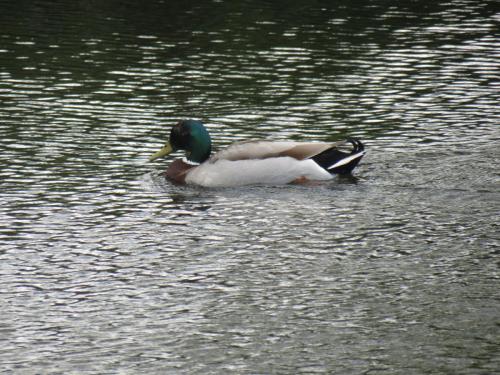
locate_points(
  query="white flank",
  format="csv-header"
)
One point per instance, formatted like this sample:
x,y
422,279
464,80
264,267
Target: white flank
x,y
273,171
346,160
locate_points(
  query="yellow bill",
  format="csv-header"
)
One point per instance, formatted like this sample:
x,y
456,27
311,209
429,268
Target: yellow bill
x,y
167,149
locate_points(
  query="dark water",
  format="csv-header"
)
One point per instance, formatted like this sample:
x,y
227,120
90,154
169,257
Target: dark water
x,y
107,268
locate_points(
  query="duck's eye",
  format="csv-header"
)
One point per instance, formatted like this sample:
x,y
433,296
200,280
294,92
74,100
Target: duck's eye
x,y
179,136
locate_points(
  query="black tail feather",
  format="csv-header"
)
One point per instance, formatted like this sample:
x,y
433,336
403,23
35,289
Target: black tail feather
x,y
340,162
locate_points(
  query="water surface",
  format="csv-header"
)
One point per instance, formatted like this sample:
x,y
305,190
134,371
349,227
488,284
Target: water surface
x,y
105,267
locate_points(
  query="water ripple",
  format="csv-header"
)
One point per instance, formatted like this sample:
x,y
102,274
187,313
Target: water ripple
x,y
102,258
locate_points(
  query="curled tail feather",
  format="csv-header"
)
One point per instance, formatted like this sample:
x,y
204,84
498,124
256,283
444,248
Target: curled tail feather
x,y
340,162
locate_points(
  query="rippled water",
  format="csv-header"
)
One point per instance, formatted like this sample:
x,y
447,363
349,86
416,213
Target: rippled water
x,y
105,267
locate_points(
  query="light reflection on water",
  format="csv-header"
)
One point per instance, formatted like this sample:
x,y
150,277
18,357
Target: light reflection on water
x,y
106,266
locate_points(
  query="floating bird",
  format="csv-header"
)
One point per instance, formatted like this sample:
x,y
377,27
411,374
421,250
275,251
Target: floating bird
x,y
253,162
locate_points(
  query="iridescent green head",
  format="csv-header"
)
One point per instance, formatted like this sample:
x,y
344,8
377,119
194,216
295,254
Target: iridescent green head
x,y
189,135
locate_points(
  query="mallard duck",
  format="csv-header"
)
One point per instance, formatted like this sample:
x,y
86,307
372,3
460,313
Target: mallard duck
x,y
253,162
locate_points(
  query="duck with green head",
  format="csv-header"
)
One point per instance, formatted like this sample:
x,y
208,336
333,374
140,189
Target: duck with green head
x,y
253,162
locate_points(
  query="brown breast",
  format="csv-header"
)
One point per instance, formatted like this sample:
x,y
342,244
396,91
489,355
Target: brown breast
x,y
177,171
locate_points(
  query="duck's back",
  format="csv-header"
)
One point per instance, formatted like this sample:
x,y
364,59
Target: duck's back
x,y
258,149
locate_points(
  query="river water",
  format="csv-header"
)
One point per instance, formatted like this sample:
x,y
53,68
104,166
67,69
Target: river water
x,y
107,268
